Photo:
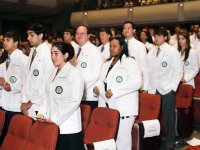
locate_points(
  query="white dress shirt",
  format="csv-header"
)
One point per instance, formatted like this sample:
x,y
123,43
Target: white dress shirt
x,y
89,64
165,71
14,75
106,52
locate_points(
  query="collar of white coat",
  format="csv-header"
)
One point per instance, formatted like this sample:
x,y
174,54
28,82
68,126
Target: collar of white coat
x,y
65,71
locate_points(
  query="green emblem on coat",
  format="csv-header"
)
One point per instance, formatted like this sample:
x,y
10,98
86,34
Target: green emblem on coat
x,y
119,79
35,72
59,89
164,64
83,64
13,79
186,63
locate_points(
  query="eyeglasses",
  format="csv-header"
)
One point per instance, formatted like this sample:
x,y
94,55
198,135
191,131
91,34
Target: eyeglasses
x,y
80,33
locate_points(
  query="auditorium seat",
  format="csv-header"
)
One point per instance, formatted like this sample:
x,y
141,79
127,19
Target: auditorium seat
x,y
184,111
197,86
103,125
85,116
149,109
18,132
2,120
43,136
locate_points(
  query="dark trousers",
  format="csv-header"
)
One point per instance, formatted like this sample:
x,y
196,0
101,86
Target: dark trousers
x,y
92,104
70,141
168,114
8,117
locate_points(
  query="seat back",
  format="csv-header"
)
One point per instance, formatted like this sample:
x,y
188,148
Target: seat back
x,y
18,133
43,136
149,107
184,96
197,86
103,125
2,120
85,115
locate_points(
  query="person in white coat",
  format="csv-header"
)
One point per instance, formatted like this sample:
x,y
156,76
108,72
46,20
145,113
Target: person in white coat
x,y
12,77
137,50
64,93
104,48
189,58
117,88
88,62
165,72
38,70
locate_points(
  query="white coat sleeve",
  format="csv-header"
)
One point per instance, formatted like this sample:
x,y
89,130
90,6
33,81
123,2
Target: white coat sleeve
x,y
91,77
143,66
192,72
177,69
70,104
17,87
133,81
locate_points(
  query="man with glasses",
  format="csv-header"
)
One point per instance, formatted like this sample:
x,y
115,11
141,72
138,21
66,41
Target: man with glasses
x,y
88,61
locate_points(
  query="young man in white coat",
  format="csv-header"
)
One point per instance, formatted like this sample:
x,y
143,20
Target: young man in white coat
x,y
104,48
38,70
165,72
12,77
136,50
88,62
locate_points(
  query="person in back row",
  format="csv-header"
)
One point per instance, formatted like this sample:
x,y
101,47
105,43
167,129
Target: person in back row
x,y
38,70
137,50
12,77
88,62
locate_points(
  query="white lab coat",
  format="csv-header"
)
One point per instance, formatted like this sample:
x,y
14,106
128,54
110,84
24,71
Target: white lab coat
x,y
14,75
89,64
62,105
106,52
190,67
36,78
165,71
150,46
137,50
124,80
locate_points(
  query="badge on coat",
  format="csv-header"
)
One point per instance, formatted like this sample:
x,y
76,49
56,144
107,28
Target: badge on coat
x,y
119,79
186,63
83,64
35,72
13,79
164,64
59,89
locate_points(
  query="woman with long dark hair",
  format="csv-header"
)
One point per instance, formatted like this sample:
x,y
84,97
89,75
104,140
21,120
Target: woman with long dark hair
x,y
64,92
189,57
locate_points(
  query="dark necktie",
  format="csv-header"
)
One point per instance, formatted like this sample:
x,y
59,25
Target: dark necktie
x,y
158,51
102,49
79,51
33,56
7,62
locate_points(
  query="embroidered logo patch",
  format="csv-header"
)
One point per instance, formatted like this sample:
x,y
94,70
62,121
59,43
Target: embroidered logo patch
x,y
164,64
35,72
119,79
59,89
13,79
186,63
83,64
